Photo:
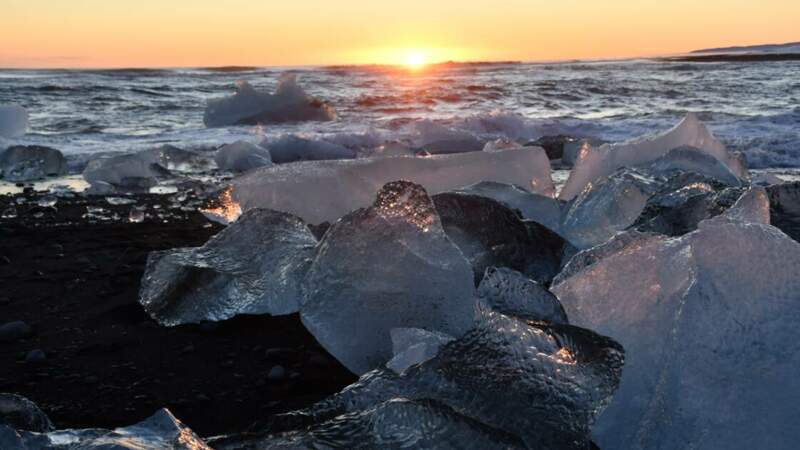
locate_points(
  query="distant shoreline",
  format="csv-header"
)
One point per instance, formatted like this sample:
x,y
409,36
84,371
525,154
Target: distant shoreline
x,y
734,57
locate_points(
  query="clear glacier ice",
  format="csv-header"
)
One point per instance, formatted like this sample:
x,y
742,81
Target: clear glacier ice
x,y
595,162
13,120
394,424
291,148
320,191
669,195
709,324
512,293
122,173
606,207
31,162
138,172
543,209
489,234
162,431
242,156
247,106
541,383
387,266
254,266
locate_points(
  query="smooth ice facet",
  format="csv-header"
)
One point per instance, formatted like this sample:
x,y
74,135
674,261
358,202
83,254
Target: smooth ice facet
x,y
414,346
384,267
324,191
254,266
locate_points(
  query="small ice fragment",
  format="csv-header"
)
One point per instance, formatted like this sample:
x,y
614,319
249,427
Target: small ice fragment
x,y
9,213
136,215
48,201
116,201
224,210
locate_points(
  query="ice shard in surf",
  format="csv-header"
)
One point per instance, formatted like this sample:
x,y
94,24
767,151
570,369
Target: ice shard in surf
x,y
709,324
247,106
320,191
13,121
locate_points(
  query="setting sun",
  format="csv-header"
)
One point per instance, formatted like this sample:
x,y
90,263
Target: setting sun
x,y
415,60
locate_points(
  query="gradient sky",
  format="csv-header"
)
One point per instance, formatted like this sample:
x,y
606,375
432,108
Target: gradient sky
x,y
172,33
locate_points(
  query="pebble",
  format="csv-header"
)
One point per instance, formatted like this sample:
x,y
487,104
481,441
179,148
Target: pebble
x,y
36,356
14,331
276,373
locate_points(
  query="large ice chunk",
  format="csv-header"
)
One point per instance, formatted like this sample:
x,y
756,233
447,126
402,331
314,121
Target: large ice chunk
x,y
254,266
140,171
709,324
320,191
542,383
247,106
31,162
161,431
512,293
384,267
490,234
394,424
13,120
537,207
242,156
593,163
293,148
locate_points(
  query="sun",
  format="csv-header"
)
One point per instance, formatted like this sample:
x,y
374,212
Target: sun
x,y
415,59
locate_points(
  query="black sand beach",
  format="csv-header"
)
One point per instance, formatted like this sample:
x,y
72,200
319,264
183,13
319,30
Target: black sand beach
x,y
106,363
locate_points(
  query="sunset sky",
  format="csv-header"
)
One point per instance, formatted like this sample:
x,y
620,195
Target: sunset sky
x,y
172,33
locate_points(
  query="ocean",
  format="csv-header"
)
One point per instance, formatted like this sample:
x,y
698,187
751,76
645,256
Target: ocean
x,y
754,108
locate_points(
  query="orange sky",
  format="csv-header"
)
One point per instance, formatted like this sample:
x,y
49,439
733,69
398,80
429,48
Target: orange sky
x,y
171,33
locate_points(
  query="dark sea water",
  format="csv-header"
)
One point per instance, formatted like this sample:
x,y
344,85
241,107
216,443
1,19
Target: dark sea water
x,y
753,107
